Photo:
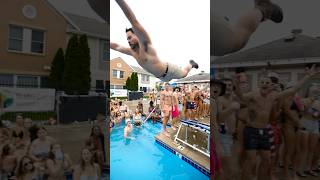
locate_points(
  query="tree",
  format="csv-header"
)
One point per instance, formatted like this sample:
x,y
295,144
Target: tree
x,y
84,61
72,71
57,69
135,85
128,83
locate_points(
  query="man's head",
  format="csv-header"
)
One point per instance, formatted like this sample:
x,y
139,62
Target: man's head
x,y
167,86
229,86
217,88
132,38
265,85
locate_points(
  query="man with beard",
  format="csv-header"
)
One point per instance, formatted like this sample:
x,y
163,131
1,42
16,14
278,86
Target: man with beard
x,y
142,50
256,134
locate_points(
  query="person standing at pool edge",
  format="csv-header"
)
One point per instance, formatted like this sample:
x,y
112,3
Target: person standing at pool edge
x,y
142,50
166,102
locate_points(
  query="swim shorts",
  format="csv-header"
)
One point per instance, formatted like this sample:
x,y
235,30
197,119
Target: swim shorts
x,y
256,138
172,72
190,105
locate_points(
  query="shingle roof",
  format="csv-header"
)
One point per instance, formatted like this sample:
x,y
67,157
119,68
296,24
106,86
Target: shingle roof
x,y
89,25
140,70
201,77
301,46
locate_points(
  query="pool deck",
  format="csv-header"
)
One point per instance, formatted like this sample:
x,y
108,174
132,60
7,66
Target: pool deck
x,y
195,156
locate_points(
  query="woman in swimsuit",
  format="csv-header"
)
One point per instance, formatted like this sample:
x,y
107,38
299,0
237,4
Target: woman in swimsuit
x,y
27,170
87,169
58,164
96,145
8,162
19,133
40,147
137,118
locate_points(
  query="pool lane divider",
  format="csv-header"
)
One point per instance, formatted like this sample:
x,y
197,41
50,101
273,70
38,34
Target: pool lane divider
x,y
200,168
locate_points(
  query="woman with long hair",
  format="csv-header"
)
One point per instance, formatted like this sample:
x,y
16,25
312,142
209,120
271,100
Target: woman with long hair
x,y
27,170
96,145
8,162
58,164
87,169
40,147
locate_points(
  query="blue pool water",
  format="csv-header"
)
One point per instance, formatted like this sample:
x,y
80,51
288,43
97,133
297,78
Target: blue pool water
x,y
143,159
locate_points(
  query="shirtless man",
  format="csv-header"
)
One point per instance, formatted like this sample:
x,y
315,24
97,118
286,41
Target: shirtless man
x,y
227,127
175,108
166,102
226,39
128,128
142,50
217,88
256,136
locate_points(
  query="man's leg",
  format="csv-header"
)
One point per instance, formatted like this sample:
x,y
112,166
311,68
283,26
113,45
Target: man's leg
x,y
249,163
227,39
265,165
164,122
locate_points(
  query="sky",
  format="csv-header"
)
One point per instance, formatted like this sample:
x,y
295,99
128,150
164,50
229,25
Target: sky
x,y
298,14
179,30
79,7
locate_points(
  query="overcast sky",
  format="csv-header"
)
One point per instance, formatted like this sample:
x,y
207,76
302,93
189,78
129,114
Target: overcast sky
x,y
298,14
179,29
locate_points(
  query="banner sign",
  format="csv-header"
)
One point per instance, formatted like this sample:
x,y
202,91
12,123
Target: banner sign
x,y
26,99
119,92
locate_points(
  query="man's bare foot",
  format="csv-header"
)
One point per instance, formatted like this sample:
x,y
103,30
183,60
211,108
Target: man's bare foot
x,y
166,133
194,64
270,10
273,177
173,128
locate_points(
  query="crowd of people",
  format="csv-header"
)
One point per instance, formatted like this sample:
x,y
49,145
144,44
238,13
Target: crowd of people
x,y
28,152
266,132
171,102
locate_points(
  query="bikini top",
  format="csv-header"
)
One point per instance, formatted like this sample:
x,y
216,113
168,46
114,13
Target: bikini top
x,y
20,134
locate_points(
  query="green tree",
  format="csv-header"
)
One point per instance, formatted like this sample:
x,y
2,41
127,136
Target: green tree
x,y
57,70
84,61
135,82
128,83
72,71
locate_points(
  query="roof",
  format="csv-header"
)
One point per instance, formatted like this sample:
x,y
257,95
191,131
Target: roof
x,y
140,70
292,47
89,26
201,77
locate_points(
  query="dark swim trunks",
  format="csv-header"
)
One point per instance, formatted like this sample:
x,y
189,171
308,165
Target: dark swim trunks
x,y
190,105
256,138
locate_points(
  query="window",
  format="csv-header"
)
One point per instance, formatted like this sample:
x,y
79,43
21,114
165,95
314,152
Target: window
x,y
117,74
145,78
104,50
116,87
114,73
6,80
26,40
27,81
15,38
37,41
44,82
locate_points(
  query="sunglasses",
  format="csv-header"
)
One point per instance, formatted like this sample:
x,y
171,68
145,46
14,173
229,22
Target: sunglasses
x,y
27,163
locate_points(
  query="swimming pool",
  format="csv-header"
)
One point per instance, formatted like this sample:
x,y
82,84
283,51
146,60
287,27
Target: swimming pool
x,y
143,158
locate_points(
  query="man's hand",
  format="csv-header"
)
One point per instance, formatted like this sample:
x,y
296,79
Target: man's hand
x,y
312,71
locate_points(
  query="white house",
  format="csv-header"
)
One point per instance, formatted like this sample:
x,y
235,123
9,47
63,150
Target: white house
x,y
147,81
286,56
98,39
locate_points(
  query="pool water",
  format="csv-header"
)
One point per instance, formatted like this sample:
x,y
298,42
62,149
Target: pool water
x,y
143,158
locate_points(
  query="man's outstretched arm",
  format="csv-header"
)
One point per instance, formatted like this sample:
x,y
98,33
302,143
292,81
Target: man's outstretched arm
x,y
120,48
137,27
310,73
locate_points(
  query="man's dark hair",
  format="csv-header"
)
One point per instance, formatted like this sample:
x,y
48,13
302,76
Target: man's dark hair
x,y
129,29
